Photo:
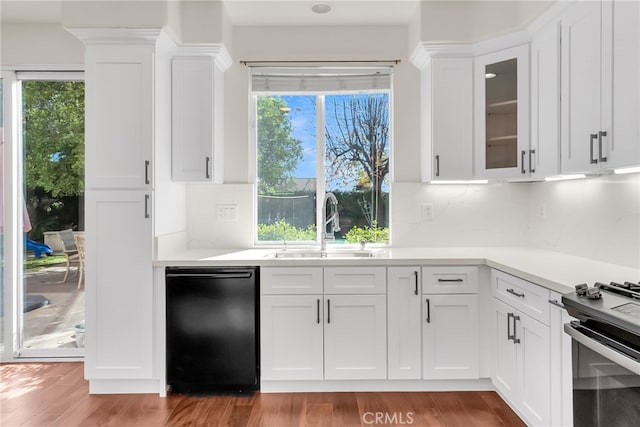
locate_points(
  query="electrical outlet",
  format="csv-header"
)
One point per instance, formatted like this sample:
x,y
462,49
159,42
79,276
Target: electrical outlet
x,y
227,212
427,212
542,211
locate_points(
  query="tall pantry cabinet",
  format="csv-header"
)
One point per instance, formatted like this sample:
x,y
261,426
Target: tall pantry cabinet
x,y
121,94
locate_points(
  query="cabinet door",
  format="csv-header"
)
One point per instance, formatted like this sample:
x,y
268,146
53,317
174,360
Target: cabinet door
x,y
625,147
291,337
544,154
119,286
450,112
195,82
450,337
403,299
119,116
502,113
533,369
581,86
506,369
561,386
355,337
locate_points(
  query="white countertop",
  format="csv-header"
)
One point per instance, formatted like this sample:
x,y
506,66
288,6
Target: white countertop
x,y
553,270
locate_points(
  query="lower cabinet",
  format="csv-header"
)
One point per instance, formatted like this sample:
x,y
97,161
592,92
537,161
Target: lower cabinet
x,y
355,332
522,359
560,363
450,337
291,336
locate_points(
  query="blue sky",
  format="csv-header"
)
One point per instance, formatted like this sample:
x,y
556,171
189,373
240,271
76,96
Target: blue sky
x,y
303,119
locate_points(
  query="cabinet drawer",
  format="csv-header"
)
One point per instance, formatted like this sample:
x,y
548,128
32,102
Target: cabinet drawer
x,y
355,280
294,280
522,295
449,280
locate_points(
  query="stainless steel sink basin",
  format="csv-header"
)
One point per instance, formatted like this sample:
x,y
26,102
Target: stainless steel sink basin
x,y
317,253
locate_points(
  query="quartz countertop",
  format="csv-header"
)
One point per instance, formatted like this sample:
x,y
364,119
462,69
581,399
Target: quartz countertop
x,y
553,270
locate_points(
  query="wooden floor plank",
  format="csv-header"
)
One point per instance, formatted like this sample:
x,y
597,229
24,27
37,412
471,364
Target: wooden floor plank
x,y
56,394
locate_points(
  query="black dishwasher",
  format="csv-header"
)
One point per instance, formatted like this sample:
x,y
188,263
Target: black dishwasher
x,y
212,329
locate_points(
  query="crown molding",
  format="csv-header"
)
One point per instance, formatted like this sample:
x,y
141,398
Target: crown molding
x,y
218,52
96,36
424,52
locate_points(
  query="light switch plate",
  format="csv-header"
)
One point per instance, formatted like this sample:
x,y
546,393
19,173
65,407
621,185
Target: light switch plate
x,y
227,212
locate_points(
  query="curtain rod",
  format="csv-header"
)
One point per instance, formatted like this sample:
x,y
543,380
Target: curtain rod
x,y
319,63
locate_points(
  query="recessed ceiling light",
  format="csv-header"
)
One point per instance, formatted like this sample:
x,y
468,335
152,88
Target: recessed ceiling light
x,y
489,75
321,8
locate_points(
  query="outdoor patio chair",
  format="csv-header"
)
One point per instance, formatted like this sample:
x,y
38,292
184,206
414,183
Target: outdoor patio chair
x,y
70,250
79,238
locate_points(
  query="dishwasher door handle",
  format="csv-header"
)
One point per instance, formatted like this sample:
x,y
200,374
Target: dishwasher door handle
x,y
212,275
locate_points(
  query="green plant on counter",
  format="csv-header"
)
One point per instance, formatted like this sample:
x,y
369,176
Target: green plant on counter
x,y
368,234
282,230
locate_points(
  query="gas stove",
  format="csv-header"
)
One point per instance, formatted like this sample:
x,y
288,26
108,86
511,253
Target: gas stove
x,y
612,309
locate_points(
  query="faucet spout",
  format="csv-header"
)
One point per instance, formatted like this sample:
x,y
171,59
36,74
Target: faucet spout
x,y
333,219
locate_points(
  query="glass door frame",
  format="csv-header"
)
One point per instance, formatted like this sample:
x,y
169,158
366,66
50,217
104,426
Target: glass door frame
x,y
13,241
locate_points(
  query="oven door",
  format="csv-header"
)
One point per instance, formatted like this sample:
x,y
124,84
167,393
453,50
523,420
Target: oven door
x,y
606,379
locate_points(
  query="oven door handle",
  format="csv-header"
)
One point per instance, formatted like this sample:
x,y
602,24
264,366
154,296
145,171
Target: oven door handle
x,y
606,351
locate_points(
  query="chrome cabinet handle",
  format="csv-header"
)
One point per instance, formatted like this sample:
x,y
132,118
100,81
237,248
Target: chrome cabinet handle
x,y
556,303
522,154
428,311
515,340
450,280
415,274
206,167
146,206
328,310
318,309
512,292
509,317
146,171
437,165
592,138
600,135
531,168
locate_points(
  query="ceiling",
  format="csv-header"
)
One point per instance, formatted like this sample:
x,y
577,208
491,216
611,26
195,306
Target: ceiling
x,y
262,12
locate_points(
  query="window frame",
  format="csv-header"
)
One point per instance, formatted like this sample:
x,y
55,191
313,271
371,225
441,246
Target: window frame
x,y
320,161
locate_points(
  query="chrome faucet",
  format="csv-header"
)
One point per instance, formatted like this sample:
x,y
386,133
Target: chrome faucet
x,y
333,219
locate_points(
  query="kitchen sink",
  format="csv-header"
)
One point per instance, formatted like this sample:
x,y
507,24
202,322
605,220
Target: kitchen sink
x,y
317,253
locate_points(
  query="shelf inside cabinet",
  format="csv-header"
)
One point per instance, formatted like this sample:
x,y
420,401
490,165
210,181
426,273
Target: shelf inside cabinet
x,y
503,107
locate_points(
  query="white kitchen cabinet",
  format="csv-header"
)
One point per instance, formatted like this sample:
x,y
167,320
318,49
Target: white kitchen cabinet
x,y
502,146
119,292
355,337
291,337
355,280
404,324
560,363
544,154
307,335
600,86
450,280
522,352
119,100
450,337
446,111
197,133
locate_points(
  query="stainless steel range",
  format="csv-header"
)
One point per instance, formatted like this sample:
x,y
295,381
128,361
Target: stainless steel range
x,y
605,353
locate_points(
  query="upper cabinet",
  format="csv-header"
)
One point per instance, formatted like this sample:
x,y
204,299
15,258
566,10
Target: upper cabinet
x,y
502,114
446,113
119,115
600,86
545,102
197,114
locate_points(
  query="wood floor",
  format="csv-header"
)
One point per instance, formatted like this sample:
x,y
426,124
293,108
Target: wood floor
x,y
56,394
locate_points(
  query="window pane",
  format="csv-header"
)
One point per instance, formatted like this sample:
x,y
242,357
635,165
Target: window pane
x,y
286,133
357,164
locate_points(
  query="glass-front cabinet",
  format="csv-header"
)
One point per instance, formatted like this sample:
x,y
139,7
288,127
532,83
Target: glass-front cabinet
x,y
502,114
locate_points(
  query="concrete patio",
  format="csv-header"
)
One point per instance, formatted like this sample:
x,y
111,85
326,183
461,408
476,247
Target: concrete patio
x,y
51,326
